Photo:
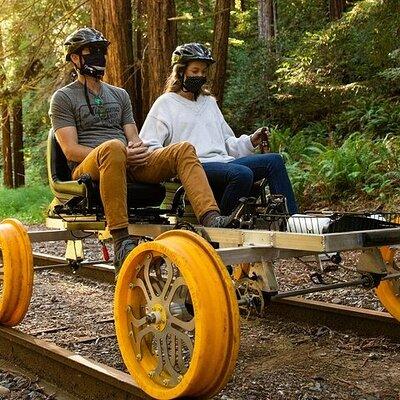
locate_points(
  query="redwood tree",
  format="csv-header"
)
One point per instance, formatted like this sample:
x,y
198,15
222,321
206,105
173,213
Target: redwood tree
x,y
6,146
5,127
17,139
161,35
114,19
267,27
220,47
336,8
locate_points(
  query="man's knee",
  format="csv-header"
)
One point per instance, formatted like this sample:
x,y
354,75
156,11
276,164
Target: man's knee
x,y
113,148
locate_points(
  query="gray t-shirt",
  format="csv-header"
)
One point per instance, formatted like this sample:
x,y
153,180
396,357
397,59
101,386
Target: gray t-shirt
x,y
112,110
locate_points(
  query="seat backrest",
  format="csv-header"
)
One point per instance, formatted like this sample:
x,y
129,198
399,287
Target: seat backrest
x,y
57,164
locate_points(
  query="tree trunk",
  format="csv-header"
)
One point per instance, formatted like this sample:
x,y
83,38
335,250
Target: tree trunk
x,y
114,20
18,146
161,34
267,20
6,147
220,48
336,8
5,128
141,106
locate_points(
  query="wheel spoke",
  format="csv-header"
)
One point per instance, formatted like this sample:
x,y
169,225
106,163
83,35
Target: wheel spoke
x,y
142,333
178,282
146,273
160,357
184,338
167,360
140,284
168,281
137,323
185,325
181,339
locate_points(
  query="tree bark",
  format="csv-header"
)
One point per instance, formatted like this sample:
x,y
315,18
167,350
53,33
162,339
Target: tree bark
x,y
18,144
267,20
5,128
161,34
220,48
114,20
141,106
6,146
336,8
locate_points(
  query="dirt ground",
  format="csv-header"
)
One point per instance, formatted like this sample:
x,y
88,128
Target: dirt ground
x,y
278,359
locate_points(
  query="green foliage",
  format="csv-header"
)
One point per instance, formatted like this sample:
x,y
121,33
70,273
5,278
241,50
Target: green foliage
x,y
374,116
27,204
329,89
359,166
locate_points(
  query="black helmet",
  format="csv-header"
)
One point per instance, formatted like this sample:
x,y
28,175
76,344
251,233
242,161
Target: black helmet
x,y
83,37
191,52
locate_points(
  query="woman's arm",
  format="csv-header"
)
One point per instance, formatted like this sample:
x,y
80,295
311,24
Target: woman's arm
x,y
235,146
155,133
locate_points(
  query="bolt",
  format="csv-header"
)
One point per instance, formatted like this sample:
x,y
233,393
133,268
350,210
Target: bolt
x,y
131,285
151,318
179,378
151,374
165,382
138,357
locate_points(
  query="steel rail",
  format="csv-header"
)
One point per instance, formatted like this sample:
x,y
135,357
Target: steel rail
x,y
72,373
340,317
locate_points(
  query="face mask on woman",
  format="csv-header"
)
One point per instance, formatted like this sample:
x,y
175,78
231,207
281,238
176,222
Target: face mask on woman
x,y
193,84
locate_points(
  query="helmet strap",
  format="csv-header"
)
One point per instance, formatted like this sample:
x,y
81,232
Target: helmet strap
x,y
86,89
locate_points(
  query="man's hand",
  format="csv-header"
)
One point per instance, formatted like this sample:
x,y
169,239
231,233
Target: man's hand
x,y
260,138
137,154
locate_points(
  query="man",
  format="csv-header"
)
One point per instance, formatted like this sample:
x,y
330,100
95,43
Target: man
x,y
95,128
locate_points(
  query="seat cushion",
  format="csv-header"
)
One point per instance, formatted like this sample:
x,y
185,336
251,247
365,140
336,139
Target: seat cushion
x,y
145,194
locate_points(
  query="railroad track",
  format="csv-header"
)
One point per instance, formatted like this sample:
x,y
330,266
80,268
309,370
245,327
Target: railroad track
x,y
339,317
88,379
76,375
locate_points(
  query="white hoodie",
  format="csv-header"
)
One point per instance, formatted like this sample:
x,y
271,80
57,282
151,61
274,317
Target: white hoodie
x,y
174,119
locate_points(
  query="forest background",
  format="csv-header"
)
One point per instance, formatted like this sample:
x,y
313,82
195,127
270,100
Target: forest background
x,y
324,75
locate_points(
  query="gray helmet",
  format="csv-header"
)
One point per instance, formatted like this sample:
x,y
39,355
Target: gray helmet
x,y
191,52
83,37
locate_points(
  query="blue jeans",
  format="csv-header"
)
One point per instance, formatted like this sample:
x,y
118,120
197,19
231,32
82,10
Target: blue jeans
x,y
232,180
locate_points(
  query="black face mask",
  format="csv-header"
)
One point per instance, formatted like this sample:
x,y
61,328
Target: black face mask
x,y
193,84
93,64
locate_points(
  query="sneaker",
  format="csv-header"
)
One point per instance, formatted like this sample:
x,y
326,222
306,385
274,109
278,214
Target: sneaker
x,y
221,221
126,247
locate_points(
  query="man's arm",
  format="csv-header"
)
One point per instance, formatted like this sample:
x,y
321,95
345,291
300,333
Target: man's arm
x,y
137,152
67,137
131,133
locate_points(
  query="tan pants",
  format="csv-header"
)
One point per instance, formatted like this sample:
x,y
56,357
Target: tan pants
x,y
107,164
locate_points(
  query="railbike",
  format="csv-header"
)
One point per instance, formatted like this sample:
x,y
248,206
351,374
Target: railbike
x,y
178,294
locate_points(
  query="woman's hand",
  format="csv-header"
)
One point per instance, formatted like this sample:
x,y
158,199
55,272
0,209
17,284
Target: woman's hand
x,y
260,138
137,154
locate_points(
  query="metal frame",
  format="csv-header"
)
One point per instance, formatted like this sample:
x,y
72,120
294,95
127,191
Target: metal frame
x,y
253,246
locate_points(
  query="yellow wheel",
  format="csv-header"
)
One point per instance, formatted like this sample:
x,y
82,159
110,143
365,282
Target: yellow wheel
x,y
16,272
241,271
388,291
176,317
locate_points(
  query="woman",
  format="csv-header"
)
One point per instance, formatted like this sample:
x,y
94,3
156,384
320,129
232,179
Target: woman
x,y
187,112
